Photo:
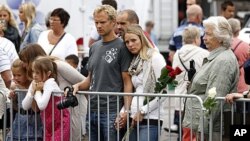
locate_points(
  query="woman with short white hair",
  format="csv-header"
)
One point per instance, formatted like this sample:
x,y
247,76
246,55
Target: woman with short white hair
x,y
219,70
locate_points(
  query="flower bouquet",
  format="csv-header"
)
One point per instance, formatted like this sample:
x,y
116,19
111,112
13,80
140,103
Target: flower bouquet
x,y
210,102
167,77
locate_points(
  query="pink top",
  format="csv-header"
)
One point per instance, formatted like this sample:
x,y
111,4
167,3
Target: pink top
x,y
241,53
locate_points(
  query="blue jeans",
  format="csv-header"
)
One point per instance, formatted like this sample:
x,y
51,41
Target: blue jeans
x,y
143,133
104,136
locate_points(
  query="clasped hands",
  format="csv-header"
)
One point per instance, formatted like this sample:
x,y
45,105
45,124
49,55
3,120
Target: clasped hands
x,y
121,120
37,86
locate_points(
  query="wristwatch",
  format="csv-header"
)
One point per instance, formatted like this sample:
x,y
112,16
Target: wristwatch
x,y
245,94
143,112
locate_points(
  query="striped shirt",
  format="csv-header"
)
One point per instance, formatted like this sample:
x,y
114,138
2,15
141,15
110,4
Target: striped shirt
x,y
8,54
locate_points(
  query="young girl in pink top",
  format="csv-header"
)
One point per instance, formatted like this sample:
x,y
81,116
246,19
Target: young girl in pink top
x,y
56,122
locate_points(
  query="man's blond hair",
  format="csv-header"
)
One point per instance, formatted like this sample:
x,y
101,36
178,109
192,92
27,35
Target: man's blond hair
x,y
111,12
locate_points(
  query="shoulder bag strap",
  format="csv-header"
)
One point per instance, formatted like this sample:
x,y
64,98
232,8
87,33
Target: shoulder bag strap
x,y
182,62
236,46
57,43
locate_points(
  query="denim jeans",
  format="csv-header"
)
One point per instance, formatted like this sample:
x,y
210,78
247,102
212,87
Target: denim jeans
x,y
104,136
143,133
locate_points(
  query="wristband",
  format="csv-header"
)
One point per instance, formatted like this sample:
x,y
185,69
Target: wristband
x,y
245,94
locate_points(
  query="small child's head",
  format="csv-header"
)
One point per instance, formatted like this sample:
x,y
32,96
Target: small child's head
x,y
19,73
73,60
43,68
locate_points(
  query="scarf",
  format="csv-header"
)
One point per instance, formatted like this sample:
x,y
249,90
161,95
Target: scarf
x,y
136,66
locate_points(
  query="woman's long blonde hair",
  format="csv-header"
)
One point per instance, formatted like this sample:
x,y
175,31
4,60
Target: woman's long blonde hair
x,y
29,12
137,30
12,21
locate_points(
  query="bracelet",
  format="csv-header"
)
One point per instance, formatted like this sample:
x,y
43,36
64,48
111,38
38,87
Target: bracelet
x,y
245,94
127,111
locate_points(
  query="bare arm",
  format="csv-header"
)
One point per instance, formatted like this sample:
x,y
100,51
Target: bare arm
x,y
83,85
128,88
6,75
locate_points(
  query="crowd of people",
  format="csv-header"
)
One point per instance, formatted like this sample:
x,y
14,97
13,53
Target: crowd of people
x,y
123,58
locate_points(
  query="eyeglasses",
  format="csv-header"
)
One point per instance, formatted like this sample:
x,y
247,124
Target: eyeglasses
x,y
189,4
54,20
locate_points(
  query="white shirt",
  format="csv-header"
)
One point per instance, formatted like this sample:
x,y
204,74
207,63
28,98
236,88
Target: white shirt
x,y
158,62
42,99
8,54
65,47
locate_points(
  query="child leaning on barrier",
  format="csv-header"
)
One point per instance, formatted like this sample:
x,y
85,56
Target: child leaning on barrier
x,y
19,127
56,122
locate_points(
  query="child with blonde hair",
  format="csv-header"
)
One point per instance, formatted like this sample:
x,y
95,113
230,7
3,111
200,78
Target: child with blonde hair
x,y
56,122
23,117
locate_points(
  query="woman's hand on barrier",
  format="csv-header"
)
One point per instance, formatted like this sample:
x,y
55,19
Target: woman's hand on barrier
x,y
231,97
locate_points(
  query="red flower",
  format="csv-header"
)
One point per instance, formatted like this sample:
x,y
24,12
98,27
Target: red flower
x,y
177,71
172,74
169,68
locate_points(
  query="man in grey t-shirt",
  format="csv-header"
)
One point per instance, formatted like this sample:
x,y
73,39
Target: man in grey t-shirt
x,y
108,66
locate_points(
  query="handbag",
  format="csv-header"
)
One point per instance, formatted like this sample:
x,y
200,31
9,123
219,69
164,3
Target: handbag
x,y
57,43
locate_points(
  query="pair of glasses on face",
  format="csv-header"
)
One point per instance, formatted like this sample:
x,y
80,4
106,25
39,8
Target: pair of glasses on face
x,y
54,20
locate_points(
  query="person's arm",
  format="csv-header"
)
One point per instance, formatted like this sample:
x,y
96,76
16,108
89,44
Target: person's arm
x,y
68,73
128,88
42,98
6,75
229,98
83,85
27,101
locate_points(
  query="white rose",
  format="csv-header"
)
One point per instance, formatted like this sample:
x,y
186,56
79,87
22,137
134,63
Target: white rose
x,y
212,92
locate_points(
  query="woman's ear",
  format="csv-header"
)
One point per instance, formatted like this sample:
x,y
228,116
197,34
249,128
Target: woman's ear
x,y
49,73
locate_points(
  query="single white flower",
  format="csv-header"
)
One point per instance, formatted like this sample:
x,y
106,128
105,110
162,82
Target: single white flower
x,y
212,92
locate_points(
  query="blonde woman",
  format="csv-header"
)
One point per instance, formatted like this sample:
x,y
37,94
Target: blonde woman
x,y
145,69
32,29
8,26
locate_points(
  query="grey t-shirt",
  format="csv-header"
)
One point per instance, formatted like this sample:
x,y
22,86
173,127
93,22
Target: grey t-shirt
x,y
106,63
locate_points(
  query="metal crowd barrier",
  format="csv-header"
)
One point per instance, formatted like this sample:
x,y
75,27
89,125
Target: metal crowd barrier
x,y
107,95
234,115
